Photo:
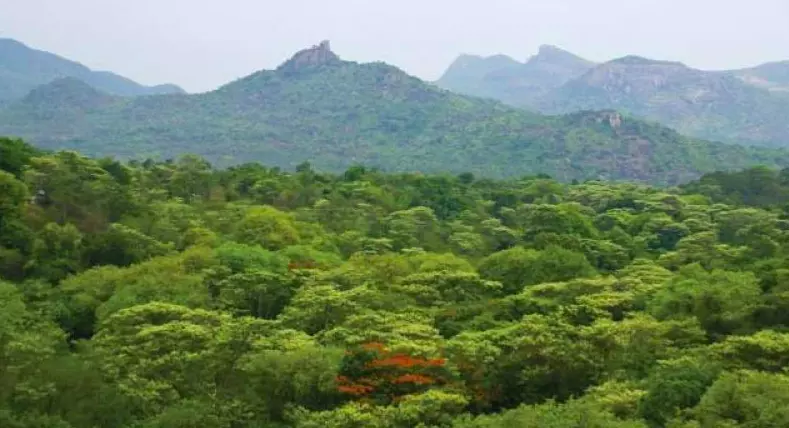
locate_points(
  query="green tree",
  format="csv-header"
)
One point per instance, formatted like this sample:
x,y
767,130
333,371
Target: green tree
x,y
28,345
745,398
57,252
722,301
267,227
15,154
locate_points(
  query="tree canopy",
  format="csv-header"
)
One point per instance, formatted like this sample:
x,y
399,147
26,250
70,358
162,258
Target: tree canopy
x,y
172,294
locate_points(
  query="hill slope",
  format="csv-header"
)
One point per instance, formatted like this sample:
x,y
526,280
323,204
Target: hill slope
x,y
335,113
773,76
23,68
747,106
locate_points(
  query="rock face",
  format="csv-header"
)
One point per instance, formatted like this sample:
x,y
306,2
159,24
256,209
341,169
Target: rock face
x,y
316,56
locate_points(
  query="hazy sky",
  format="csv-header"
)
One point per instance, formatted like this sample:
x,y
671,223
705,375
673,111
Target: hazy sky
x,y
201,44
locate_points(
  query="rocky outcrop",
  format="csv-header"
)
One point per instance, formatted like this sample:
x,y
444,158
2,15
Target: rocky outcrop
x,y
316,56
612,118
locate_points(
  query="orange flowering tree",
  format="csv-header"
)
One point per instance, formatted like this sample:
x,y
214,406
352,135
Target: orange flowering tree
x,y
374,373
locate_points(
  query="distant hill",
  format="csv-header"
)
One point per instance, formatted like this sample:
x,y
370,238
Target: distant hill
x,y
333,113
507,80
712,105
23,68
747,106
773,76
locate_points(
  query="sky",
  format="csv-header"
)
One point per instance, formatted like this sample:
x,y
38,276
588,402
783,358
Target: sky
x,y
202,44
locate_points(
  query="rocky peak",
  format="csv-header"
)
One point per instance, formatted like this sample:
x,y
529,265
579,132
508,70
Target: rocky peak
x,y
318,55
612,118
548,50
553,54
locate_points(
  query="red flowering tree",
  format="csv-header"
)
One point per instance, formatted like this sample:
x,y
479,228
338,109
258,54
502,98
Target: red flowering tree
x,y
374,373
302,264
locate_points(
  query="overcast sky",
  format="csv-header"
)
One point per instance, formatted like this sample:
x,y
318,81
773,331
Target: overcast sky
x,y
201,44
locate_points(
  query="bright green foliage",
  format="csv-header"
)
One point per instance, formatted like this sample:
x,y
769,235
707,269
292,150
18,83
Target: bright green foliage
x,y
14,193
258,293
159,353
416,227
747,399
440,288
722,301
675,385
518,267
97,293
766,350
510,267
28,345
267,227
76,189
56,252
289,367
525,362
240,258
15,154
15,236
552,415
121,245
411,332
430,409
184,296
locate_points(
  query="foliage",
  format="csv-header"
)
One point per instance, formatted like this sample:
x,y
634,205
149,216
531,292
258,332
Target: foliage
x,y
161,294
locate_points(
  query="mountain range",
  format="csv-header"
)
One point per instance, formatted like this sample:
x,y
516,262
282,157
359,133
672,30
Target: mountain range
x,y
746,106
23,68
333,113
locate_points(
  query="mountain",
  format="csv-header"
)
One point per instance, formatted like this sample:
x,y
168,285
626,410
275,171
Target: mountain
x,y
746,106
333,113
711,105
23,68
507,80
466,75
773,76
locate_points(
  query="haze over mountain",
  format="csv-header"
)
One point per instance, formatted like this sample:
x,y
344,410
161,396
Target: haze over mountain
x,y
747,106
773,76
316,107
23,68
505,79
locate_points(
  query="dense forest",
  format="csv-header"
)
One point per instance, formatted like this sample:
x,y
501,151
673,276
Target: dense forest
x,y
173,294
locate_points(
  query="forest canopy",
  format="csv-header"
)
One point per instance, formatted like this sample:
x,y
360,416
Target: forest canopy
x,y
173,294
